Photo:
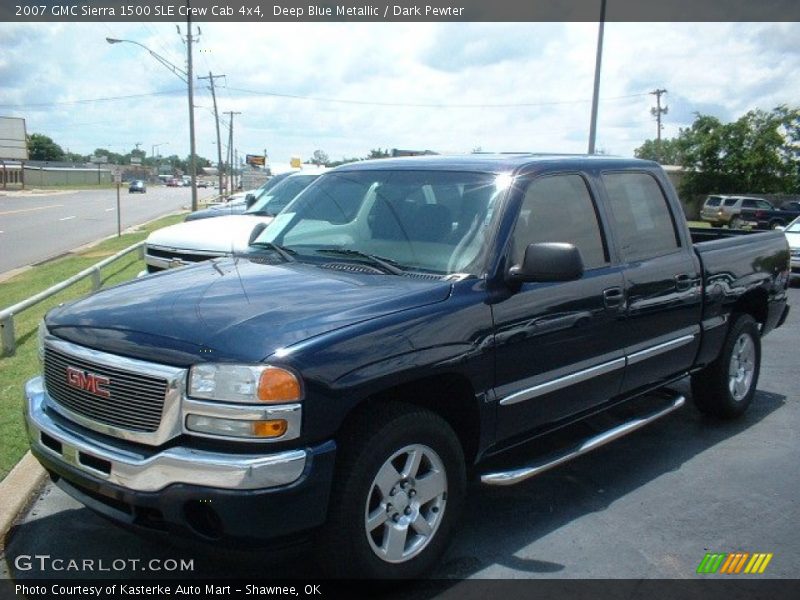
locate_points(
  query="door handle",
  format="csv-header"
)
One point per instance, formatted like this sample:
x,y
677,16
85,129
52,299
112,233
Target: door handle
x,y
613,297
683,282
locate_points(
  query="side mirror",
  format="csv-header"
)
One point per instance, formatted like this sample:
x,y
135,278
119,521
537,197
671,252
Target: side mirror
x,y
256,232
549,261
249,200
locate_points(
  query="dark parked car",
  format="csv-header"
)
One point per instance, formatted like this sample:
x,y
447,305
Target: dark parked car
x,y
137,186
769,219
340,380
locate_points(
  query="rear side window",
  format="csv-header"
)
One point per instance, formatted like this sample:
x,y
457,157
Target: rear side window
x,y
713,201
644,224
558,208
731,202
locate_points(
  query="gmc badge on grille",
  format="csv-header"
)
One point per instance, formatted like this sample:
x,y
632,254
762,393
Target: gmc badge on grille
x,y
89,382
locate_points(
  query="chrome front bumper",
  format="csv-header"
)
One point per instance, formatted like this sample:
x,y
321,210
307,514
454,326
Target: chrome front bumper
x,y
153,472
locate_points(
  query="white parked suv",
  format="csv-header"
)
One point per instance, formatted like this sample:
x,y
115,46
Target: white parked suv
x,y
194,241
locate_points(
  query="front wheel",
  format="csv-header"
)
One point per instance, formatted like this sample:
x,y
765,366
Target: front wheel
x,y
398,492
726,387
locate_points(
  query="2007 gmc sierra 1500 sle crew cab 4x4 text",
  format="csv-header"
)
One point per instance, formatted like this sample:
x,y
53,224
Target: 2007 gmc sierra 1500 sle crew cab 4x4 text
x,y
402,324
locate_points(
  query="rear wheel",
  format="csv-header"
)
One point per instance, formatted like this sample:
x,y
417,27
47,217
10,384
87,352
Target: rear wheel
x,y
776,223
726,387
736,223
397,494
716,225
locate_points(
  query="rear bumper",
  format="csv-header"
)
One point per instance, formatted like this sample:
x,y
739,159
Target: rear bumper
x,y
184,491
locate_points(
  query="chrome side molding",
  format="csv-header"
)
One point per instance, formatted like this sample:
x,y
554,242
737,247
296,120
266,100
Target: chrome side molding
x,y
521,474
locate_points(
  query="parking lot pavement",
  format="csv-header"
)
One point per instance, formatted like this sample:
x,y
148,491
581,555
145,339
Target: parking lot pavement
x,y
647,506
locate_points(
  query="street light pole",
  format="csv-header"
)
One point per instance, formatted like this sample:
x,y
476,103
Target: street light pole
x,y
185,76
597,65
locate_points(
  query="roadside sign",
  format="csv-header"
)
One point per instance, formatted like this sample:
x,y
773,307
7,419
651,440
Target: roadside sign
x,y
255,160
117,178
135,160
13,144
295,162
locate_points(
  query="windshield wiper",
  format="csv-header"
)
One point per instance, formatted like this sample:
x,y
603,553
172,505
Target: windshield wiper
x,y
387,264
285,253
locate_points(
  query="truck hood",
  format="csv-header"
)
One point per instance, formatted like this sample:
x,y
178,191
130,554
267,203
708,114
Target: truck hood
x,y
233,310
225,234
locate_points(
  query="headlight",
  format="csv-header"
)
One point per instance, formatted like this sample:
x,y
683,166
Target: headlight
x,y
244,383
40,336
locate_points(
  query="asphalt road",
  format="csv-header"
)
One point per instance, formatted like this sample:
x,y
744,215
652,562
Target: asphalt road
x,y
647,506
34,228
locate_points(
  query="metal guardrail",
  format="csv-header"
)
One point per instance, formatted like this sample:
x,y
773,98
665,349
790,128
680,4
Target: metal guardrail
x,y
9,342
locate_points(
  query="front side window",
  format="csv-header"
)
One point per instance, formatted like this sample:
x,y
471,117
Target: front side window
x,y
559,208
426,221
642,219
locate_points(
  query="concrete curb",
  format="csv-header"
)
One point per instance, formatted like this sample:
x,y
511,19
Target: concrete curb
x,y
16,491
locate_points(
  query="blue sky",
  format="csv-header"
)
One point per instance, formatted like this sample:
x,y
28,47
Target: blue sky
x,y
448,87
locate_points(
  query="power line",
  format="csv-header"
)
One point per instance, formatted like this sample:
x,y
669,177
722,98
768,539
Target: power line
x,y
423,104
90,100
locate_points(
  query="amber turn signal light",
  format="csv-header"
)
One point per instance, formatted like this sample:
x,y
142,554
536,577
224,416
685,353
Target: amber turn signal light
x,y
278,385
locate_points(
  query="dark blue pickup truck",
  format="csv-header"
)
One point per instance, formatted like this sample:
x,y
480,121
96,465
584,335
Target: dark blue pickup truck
x,y
402,325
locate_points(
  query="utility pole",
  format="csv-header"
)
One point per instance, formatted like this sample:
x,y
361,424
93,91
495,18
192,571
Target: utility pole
x,y
597,64
657,111
190,78
216,120
230,113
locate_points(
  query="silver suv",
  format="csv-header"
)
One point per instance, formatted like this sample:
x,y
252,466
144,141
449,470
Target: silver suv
x,y
722,210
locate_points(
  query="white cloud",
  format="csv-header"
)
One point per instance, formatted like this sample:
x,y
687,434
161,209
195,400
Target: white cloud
x,y
724,69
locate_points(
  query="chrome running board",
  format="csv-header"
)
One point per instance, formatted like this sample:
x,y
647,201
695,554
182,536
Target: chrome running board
x,y
553,460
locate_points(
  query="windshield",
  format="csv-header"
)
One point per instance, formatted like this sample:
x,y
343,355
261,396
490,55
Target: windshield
x,y
429,221
273,200
794,226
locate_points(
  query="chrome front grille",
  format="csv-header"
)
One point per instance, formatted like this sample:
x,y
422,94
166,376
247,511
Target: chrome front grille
x,y
133,401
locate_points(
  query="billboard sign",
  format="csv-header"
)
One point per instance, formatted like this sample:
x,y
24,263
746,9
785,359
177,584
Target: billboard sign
x,y
13,139
255,160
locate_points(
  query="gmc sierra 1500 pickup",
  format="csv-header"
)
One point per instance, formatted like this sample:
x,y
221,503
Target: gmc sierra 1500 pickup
x,y
401,325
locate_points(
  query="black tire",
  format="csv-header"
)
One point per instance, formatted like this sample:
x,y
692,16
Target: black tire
x,y
777,223
715,390
716,225
735,223
368,442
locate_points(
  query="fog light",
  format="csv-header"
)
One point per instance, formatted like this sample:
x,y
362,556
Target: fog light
x,y
237,428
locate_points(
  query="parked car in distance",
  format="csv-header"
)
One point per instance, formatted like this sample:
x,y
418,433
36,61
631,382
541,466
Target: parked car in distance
x,y
792,232
340,381
722,210
762,218
200,240
137,186
172,182
202,183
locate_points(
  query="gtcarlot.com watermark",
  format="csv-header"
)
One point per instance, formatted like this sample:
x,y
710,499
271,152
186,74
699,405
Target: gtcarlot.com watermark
x,y
46,563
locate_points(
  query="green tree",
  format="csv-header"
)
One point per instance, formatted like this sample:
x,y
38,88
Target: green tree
x,y
379,153
41,147
666,152
757,153
319,158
